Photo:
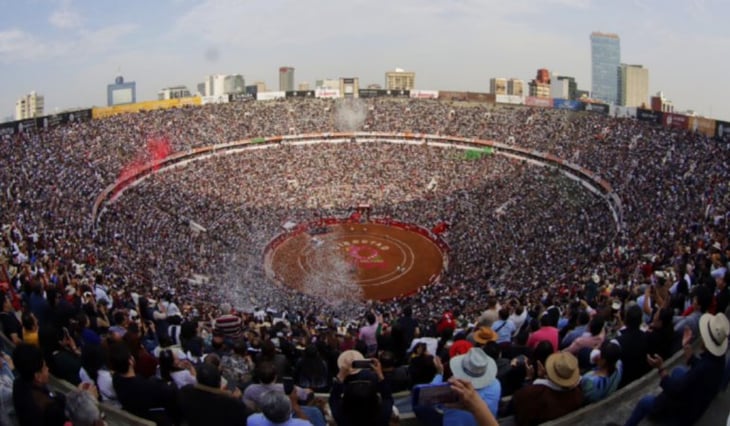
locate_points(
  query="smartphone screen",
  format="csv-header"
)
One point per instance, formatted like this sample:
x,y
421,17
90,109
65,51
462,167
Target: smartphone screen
x,y
288,385
436,394
362,363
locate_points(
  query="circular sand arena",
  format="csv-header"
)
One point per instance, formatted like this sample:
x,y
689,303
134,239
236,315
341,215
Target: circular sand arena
x,y
341,259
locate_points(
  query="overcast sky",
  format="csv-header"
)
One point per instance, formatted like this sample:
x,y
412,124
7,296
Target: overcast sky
x,y
69,50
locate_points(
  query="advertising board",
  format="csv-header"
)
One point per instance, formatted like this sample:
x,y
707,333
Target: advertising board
x,y
705,126
648,115
567,104
425,94
325,92
270,96
534,101
102,112
675,121
510,99
722,129
596,107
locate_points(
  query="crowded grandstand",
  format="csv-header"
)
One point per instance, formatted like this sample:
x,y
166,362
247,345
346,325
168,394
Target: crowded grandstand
x,y
106,237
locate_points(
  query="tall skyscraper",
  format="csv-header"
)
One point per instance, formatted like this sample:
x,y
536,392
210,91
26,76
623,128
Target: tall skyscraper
x,y
286,79
400,80
633,86
29,106
605,60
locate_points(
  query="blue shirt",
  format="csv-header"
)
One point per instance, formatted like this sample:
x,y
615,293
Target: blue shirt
x,y
504,330
489,394
258,419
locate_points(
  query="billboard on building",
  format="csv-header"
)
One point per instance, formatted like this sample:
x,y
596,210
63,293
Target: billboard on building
x,y
705,126
450,95
619,111
102,112
534,101
596,107
300,94
559,103
377,93
648,115
722,129
424,94
45,122
220,99
481,97
241,97
270,96
325,92
510,99
675,121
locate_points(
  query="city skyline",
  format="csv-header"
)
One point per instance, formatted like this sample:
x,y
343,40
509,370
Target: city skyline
x,y
68,51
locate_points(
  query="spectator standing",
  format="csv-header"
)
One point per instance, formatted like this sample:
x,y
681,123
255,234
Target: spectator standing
x,y
688,391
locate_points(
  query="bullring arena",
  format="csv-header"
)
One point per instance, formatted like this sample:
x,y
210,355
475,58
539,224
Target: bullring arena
x,y
533,198
306,214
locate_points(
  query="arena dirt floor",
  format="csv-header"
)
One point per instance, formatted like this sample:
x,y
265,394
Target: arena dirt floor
x,y
366,260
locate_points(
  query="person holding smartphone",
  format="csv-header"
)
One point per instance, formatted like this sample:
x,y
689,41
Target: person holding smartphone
x,y
475,367
360,394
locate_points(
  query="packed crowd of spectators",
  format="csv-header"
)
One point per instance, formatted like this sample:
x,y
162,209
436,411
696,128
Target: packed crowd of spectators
x,y
147,311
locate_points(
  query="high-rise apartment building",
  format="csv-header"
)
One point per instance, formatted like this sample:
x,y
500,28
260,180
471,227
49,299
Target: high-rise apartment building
x,y
400,80
29,106
605,60
515,87
223,84
286,79
506,86
563,87
498,86
540,86
633,86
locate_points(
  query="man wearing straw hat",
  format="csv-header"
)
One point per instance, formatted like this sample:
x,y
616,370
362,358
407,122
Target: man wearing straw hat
x,y
555,394
480,370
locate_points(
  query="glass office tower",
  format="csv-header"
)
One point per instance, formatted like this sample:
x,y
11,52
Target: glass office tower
x,y
605,62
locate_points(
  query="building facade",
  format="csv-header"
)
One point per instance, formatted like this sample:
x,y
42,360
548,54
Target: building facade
x,y
223,84
400,80
498,86
173,92
660,103
605,61
515,87
350,87
286,79
564,87
540,86
633,85
121,92
29,106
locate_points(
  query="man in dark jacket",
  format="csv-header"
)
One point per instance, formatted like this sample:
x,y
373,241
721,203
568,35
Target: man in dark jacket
x,y
207,404
634,346
688,391
34,403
